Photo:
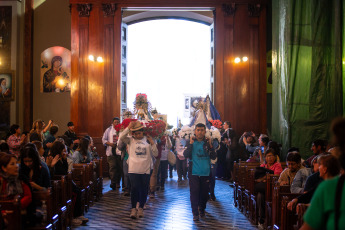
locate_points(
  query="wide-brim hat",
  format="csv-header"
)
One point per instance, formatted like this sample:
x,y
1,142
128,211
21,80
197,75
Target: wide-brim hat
x,y
137,126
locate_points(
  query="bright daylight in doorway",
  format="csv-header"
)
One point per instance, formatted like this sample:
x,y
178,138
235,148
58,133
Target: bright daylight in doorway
x,y
168,59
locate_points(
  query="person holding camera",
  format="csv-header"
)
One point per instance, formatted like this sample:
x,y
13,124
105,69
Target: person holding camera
x,y
199,151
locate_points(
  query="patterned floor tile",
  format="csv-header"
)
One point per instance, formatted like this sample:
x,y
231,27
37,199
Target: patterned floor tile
x,y
169,210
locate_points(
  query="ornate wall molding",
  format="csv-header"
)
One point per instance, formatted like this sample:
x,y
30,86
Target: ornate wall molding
x,y
229,9
109,9
254,10
84,9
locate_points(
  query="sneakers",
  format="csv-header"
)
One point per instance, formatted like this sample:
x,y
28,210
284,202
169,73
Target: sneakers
x,y
77,222
261,226
195,217
133,214
152,195
140,213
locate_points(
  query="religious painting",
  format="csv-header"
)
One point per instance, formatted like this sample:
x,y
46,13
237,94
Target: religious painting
x,y
7,86
194,102
5,36
56,70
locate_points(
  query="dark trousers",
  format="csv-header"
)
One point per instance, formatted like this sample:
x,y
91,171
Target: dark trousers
x,y
199,187
260,189
115,169
163,172
139,188
213,178
171,167
181,167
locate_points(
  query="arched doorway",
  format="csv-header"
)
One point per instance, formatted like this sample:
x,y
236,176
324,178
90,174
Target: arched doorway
x,y
167,55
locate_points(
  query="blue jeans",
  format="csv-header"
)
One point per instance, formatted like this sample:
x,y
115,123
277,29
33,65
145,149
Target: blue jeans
x,y
139,188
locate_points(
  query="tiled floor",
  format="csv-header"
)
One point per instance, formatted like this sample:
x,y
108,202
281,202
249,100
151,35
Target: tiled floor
x,y
169,210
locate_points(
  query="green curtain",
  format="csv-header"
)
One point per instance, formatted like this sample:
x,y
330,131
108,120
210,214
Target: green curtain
x,y
307,70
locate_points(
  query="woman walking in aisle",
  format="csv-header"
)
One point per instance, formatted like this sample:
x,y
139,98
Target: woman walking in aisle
x,y
141,150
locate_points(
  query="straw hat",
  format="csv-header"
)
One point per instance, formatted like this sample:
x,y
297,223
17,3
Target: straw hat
x,y
137,125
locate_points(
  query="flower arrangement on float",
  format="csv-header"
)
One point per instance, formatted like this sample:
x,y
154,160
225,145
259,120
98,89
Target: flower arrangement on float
x,y
216,123
186,132
155,128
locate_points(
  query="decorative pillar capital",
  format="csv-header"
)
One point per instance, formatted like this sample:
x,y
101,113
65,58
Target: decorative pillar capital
x,y
254,10
84,9
229,9
109,9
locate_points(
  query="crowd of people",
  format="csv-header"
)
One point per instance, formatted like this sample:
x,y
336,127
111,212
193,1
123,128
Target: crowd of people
x,y
140,165
29,160
201,164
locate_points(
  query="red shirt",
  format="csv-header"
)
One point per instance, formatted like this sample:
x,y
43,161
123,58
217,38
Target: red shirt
x,y
276,168
26,196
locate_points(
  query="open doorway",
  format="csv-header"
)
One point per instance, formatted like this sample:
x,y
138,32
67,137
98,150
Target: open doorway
x,y
168,59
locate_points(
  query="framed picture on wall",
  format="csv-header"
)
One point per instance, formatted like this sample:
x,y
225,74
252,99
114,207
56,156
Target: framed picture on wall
x,y
5,37
7,86
55,70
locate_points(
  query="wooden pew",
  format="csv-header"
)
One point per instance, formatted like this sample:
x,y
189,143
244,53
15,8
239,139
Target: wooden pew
x,y
99,173
236,181
302,210
240,186
52,221
249,186
278,193
287,218
60,193
13,213
79,175
271,180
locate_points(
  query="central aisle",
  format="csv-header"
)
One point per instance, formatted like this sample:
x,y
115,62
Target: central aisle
x,y
169,210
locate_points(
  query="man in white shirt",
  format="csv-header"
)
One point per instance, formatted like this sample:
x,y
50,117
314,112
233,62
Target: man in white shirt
x,y
109,139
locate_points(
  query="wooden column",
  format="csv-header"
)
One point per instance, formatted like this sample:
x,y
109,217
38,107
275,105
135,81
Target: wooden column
x,y
28,66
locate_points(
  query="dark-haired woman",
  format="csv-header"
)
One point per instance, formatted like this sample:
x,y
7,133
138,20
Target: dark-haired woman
x,y
32,166
82,154
10,184
15,141
57,161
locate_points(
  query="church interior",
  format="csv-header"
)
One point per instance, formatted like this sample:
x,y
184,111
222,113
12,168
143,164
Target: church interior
x,y
276,107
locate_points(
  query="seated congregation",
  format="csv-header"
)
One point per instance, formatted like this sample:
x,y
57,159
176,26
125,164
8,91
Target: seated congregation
x,y
295,193
47,182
